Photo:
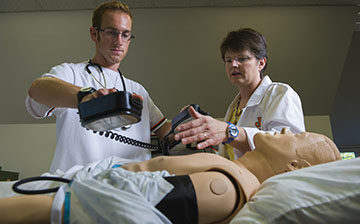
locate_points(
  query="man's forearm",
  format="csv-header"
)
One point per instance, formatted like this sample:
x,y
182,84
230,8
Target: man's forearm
x,y
54,92
163,130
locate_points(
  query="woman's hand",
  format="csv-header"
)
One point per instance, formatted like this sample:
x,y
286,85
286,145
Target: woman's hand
x,y
204,129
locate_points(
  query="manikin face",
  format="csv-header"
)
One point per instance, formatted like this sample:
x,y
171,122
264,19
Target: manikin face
x,y
110,50
242,68
285,151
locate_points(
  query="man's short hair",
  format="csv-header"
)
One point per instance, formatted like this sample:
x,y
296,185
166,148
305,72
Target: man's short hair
x,y
112,5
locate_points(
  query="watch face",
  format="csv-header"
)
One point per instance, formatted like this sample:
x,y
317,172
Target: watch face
x,y
83,92
233,131
86,89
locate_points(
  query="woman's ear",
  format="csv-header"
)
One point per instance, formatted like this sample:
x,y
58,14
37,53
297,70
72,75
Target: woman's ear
x,y
262,63
297,164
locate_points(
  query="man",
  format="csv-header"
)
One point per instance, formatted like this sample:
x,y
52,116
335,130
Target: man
x,y
59,92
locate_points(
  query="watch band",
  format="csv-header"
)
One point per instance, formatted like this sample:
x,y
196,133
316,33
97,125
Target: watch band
x,y
84,92
232,132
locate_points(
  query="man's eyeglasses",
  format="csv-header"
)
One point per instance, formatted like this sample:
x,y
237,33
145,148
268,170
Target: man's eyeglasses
x,y
238,59
114,33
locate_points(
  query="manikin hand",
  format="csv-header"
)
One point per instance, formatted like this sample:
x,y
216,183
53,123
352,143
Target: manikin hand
x,y
204,129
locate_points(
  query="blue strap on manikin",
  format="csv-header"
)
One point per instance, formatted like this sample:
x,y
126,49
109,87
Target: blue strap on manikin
x,y
116,165
67,205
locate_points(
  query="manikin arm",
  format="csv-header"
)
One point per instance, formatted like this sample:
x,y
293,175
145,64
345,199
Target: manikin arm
x,y
26,209
216,196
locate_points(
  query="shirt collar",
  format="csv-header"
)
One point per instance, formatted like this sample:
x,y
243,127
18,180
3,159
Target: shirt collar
x,y
259,92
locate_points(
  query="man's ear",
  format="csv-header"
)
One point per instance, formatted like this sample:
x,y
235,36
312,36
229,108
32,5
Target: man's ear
x,y
93,34
297,164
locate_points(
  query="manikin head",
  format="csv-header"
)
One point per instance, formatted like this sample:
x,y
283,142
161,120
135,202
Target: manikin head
x,y
285,151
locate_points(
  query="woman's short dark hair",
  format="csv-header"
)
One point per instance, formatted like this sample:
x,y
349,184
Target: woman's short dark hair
x,y
245,39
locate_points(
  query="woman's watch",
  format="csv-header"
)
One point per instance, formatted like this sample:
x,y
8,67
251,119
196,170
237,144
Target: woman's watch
x,y
84,91
232,132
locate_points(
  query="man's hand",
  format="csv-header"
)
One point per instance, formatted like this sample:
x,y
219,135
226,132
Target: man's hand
x,y
134,95
204,129
97,94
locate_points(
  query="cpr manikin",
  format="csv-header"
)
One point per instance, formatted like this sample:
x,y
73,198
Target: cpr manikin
x,y
221,187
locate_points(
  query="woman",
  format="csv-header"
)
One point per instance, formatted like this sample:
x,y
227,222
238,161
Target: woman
x,y
260,106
